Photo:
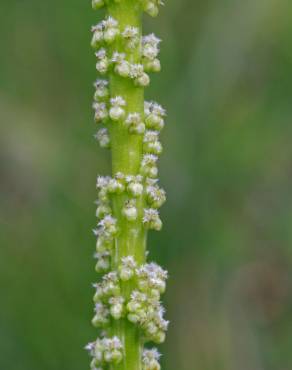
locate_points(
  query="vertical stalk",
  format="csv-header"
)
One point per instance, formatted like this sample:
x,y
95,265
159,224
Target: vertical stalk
x,y
127,300
126,153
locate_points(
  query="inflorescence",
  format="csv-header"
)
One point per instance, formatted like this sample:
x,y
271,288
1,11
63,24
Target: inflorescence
x,y
142,196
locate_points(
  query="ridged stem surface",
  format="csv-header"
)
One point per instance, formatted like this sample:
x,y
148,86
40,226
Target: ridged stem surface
x,y
126,153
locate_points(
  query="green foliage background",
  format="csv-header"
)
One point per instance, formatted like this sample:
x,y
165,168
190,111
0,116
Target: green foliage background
x,y
227,86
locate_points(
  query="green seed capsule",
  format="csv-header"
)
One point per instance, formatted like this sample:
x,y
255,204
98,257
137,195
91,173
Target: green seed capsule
x,y
97,4
151,9
110,35
116,356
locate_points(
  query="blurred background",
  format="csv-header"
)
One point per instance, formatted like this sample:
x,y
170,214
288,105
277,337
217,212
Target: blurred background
x,y
227,168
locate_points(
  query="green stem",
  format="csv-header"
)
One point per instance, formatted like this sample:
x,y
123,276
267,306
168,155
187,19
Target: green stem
x,y
126,158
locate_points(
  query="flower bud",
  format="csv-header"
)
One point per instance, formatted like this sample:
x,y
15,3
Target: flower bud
x,y
126,274
102,210
151,328
112,350
131,36
151,143
150,8
110,35
116,311
98,293
101,90
116,307
94,363
104,244
135,124
116,111
133,318
154,121
151,219
148,165
115,186
97,4
130,211
155,65
97,322
101,315
100,112
154,147
152,65
97,36
142,80
116,356
108,30
127,268
102,66
108,225
102,136
150,47
159,337
123,69
155,196
155,294
135,189
139,129
108,356
150,359
103,261
154,114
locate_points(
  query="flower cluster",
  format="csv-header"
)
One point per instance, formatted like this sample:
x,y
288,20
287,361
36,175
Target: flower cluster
x,y
105,351
106,33
127,268
150,359
132,187
130,289
106,231
143,307
103,138
150,52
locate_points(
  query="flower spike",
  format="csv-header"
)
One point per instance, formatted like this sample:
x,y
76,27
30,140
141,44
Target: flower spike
x,y
127,299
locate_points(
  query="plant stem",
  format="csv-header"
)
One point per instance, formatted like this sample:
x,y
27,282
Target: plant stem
x,y
126,158
127,307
